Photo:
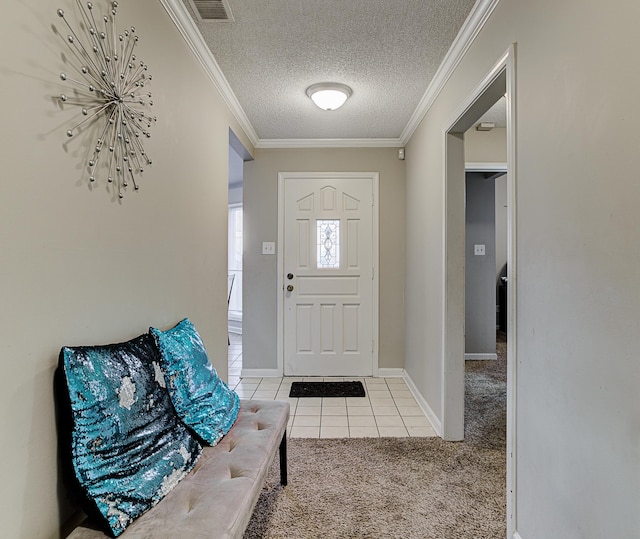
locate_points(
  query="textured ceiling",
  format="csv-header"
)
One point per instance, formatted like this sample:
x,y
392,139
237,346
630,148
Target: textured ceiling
x,y
387,52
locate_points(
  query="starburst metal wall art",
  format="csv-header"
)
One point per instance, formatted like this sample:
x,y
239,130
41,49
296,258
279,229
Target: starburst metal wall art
x,y
109,88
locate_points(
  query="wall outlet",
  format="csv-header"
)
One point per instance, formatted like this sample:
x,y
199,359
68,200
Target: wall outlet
x,y
478,250
268,247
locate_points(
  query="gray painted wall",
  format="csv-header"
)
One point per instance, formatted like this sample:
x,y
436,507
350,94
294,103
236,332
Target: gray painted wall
x,y
259,330
235,195
236,172
480,281
78,267
485,146
236,169
491,147
578,294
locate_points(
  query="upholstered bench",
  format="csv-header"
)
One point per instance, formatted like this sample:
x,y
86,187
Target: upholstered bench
x,y
216,499
155,445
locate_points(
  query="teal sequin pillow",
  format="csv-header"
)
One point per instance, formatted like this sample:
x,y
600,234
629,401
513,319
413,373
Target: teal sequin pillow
x,y
203,401
127,446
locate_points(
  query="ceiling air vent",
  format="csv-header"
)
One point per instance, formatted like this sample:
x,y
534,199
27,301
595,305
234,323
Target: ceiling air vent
x,y
212,10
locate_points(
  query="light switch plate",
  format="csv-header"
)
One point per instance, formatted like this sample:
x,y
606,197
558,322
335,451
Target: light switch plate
x,y
268,247
478,250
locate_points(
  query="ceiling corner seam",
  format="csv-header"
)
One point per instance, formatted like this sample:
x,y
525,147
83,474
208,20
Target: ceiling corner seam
x,y
466,36
330,143
190,33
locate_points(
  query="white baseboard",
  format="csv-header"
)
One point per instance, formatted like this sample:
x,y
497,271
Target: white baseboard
x,y
424,405
390,373
516,535
481,356
260,373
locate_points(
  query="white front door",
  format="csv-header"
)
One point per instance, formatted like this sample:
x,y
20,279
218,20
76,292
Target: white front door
x,y
328,275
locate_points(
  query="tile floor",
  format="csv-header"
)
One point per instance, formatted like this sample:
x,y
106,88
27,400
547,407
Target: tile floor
x,y
388,410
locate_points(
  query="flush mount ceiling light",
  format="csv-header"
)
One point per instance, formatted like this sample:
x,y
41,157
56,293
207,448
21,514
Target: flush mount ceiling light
x,y
329,95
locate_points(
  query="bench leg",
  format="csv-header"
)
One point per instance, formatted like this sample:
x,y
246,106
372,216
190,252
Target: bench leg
x,y
283,460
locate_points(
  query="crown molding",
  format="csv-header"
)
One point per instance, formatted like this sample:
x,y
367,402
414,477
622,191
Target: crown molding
x,y
467,34
485,166
185,25
470,29
330,143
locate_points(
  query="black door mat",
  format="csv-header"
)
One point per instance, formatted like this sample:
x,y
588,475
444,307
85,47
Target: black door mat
x,y
327,389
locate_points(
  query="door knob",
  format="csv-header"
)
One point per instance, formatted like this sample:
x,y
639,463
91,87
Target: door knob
x,y
290,288
289,276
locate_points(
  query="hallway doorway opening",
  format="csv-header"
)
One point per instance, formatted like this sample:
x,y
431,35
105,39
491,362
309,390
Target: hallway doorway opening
x,y
238,154
500,81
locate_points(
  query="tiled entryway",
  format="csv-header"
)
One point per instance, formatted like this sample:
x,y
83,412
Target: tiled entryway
x,y
388,409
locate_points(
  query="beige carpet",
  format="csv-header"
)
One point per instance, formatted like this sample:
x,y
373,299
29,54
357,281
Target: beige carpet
x,y
398,487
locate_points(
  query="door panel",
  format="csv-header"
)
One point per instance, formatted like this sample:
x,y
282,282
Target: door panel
x,y
328,249
330,285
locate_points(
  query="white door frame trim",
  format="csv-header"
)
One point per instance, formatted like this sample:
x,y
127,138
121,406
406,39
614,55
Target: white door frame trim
x,y
453,256
375,180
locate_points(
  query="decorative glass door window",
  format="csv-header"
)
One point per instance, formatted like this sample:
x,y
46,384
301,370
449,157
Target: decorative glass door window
x,y
328,233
